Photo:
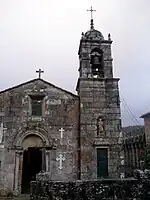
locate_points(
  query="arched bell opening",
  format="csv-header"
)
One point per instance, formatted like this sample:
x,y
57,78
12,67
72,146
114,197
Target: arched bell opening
x,y
97,63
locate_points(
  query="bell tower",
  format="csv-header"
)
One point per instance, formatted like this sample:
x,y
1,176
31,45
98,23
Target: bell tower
x,y
100,122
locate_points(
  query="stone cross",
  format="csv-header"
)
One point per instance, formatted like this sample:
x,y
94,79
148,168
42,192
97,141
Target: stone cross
x,y
2,130
39,72
60,158
61,132
91,10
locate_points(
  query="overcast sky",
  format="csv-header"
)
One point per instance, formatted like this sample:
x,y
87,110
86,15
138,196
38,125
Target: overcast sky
x,y
46,33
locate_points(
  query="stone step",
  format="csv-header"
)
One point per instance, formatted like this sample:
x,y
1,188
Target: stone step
x,y
22,197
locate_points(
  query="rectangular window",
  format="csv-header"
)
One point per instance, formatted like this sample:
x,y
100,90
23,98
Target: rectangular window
x,y
102,162
36,105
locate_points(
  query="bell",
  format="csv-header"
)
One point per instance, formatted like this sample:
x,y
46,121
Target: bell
x,y
96,60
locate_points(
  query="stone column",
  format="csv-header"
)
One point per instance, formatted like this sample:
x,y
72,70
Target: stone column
x,y
17,157
141,157
130,159
133,155
44,158
20,171
127,155
47,160
137,156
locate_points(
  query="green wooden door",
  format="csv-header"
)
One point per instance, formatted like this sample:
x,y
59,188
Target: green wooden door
x,y
102,163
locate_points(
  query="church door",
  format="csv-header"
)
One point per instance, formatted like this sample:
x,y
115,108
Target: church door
x,y
32,165
102,162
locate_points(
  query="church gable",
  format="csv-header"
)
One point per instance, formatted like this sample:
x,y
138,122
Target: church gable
x,y
19,99
37,84
38,101
38,114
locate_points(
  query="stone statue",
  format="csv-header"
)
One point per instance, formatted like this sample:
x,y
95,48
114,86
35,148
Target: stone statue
x,y
122,175
120,139
100,126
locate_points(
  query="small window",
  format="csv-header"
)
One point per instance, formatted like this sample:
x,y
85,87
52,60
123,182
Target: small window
x,y
36,105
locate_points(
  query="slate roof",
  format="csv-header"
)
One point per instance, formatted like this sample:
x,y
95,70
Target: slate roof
x,y
145,115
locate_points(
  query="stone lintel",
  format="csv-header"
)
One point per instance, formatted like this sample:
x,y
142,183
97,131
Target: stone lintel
x,y
100,143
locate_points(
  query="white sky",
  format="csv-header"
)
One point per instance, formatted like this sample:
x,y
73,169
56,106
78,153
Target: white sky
x,y
46,33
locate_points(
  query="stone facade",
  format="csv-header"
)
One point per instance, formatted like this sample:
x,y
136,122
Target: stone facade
x,y
71,128
60,110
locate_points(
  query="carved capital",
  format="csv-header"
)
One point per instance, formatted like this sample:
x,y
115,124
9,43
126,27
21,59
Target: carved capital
x,y
19,153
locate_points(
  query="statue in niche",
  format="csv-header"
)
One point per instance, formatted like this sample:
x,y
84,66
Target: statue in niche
x,y
100,127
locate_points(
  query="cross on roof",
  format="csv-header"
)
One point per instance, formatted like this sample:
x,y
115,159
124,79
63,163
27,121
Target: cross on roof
x,y
91,10
39,72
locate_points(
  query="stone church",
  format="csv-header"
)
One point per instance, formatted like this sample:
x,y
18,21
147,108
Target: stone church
x,y
70,136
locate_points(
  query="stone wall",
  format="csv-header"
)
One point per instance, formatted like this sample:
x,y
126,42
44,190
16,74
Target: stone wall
x,y
134,148
60,110
146,118
98,99
99,189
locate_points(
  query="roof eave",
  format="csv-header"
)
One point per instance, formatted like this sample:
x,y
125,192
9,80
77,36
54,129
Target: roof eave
x,y
145,115
46,82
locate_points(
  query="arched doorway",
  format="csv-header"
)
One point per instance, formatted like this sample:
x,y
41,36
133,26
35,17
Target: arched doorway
x,y
32,160
32,165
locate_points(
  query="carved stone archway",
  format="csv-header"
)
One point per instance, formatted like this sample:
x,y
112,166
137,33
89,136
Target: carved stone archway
x,y
32,141
27,139
40,133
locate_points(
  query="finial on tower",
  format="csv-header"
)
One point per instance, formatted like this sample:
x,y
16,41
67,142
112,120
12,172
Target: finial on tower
x,y
92,23
109,37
